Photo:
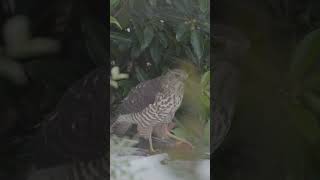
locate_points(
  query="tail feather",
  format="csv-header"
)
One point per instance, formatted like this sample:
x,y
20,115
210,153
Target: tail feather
x,y
121,125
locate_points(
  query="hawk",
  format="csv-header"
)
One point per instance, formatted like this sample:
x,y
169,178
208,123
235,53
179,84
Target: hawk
x,y
152,105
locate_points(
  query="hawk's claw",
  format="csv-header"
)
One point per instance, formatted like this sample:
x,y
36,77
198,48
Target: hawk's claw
x,y
153,151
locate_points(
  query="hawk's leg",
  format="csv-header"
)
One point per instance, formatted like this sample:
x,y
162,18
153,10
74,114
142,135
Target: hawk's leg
x,y
146,132
150,144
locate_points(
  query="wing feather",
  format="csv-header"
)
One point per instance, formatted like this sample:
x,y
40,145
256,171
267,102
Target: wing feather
x,y
141,96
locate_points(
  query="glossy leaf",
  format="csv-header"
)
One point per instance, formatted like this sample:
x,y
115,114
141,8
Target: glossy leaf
x,y
138,32
114,3
204,5
205,85
191,55
182,28
206,134
114,21
141,74
163,39
135,52
184,6
179,5
118,37
205,101
153,3
155,52
126,85
197,44
148,35
205,79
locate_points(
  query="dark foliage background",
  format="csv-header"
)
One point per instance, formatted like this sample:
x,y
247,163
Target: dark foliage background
x,y
32,85
275,130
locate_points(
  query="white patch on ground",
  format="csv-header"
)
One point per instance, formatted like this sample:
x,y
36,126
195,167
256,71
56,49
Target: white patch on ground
x,y
146,168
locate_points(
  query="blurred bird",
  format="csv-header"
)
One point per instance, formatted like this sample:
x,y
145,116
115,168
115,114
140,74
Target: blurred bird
x,y
152,105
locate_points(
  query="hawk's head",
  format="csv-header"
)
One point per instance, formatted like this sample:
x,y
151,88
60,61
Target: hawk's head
x,y
174,80
177,74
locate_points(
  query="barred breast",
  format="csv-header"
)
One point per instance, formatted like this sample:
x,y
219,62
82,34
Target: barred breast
x,y
156,113
161,111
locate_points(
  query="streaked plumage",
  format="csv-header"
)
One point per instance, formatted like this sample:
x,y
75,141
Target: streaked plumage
x,y
152,104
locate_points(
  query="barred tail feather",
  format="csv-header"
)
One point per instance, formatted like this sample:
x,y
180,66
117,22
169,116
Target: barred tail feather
x,y
121,125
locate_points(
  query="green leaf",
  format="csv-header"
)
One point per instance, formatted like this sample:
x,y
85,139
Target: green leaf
x,y
205,27
206,134
306,54
168,2
148,35
126,85
114,3
204,5
205,101
120,37
135,52
181,132
205,88
114,21
189,5
163,39
197,44
178,50
153,3
189,54
141,74
155,52
179,5
184,6
205,79
124,19
120,42
138,32
182,28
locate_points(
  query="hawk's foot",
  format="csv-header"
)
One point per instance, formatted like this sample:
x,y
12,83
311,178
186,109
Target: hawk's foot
x,y
180,140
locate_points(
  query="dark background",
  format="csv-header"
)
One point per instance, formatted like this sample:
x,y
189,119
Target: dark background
x,y
267,140
81,29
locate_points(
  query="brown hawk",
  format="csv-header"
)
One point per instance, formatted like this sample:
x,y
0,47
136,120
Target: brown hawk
x,y
152,105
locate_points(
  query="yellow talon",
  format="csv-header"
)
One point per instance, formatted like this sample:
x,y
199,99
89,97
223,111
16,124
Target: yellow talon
x,y
179,139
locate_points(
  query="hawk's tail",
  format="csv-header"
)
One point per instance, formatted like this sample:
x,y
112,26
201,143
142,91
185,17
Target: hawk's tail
x,y
121,125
